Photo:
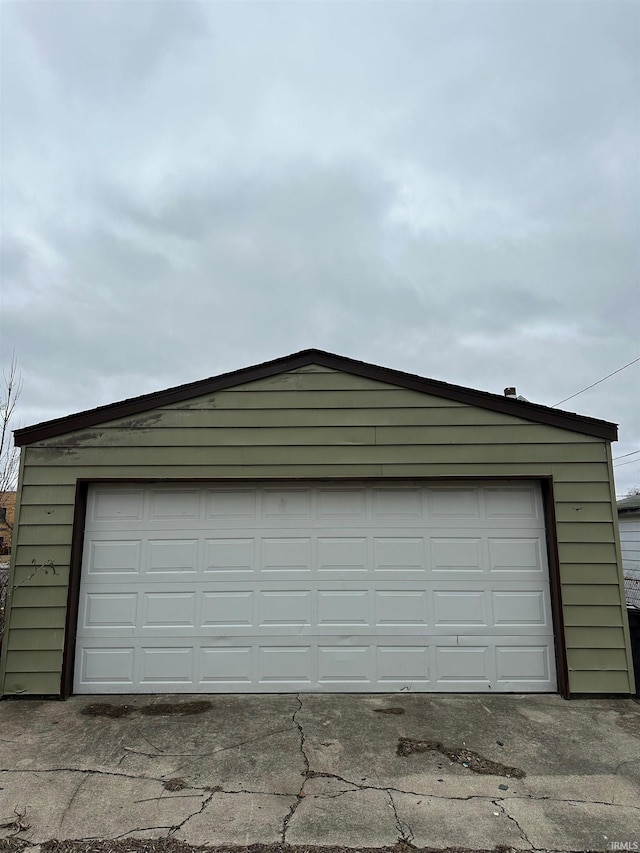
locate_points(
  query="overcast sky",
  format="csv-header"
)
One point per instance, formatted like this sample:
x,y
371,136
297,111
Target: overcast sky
x,y
446,188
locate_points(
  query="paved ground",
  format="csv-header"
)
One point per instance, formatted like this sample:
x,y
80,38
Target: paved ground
x,y
325,770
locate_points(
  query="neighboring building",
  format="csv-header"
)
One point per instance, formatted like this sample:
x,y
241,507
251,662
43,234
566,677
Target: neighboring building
x,y
7,512
316,523
629,522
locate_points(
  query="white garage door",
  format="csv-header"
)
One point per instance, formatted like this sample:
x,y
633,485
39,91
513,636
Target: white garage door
x,y
314,587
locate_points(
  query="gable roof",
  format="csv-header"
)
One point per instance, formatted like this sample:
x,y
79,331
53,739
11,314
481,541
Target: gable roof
x,y
629,504
482,399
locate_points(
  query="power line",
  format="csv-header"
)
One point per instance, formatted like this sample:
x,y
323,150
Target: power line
x,y
633,453
630,462
593,384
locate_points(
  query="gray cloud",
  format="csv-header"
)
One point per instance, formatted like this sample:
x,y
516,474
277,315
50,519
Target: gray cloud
x,y
449,189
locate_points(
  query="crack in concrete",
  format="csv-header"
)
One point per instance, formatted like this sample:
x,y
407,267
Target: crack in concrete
x,y
162,797
87,770
313,774
205,803
360,786
126,834
498,803
335,795
145,738
572,800
305,773
258,793
634,761
198,755
405,833
73,796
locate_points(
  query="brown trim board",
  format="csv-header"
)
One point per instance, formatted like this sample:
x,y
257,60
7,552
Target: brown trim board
x,y
73,593
553,560
77,545
482,399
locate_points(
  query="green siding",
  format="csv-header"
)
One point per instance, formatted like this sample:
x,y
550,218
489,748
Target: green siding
x,y
317,424
591,594
33,683
599,681
595,659
34,661
36,639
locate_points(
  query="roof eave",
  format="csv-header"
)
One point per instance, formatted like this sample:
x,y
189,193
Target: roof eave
x,y
470,396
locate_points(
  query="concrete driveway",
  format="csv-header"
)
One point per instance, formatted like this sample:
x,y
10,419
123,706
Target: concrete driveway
x,y
527,772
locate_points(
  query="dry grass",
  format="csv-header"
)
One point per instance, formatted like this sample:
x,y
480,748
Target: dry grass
x,y
169,845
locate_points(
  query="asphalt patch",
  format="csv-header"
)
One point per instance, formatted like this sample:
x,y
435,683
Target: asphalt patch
x,y
106,709
168,709
460,755
394,711
174,784
158,709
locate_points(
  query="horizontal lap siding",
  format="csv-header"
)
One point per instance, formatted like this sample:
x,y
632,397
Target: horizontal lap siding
x,y
317,424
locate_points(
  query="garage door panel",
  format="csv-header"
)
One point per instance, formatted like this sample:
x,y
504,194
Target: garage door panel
x,y
172,556
519,664
166,666
377,587
180,504
227,609
116,505
511,503
226,505
398,505
459,608
108,670
366,665
167,610
230,557
456,554
226,668
343,554
109,611
519,608
285,665
464,667
285,554
399,553
455,504
285,608
401,608
398,666
344,608
337,504
345,665
515,554
279,504
113,557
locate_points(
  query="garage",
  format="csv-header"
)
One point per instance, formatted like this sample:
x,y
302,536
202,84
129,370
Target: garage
x,y
316,523
276,588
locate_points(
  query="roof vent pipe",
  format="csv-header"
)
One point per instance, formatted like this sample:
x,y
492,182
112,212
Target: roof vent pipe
x,y
510,392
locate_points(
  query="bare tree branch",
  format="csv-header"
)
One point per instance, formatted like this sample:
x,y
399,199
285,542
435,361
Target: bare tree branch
x,y
9,454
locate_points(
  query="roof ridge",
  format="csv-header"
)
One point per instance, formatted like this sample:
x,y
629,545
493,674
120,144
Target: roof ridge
x,y
437,387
